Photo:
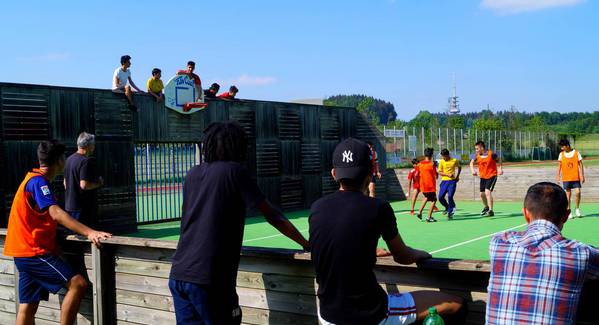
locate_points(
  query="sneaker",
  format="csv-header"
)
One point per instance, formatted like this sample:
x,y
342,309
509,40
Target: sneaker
x,y
489,213
431,219
578,214
436,209
419,216
412,212
450,215
445,212
484,211
570,216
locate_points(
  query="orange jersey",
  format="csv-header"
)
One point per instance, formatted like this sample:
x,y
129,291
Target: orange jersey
x,y
570,167
487,166
428,176
30,232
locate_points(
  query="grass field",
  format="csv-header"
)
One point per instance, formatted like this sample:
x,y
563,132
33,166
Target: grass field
x,y
465,237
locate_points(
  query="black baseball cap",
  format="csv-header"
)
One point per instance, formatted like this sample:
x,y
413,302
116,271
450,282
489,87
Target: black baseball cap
x,y
351,159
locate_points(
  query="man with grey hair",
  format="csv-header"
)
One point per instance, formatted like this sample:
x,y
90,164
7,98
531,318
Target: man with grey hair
x,y
81,181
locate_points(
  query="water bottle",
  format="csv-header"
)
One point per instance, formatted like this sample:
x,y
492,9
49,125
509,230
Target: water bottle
x,y
433,318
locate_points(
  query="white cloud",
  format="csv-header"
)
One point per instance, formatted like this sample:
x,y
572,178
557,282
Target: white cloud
x,y
247,80
48,57
518,6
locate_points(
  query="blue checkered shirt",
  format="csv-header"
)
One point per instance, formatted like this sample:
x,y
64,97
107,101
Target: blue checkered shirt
x,y
537,276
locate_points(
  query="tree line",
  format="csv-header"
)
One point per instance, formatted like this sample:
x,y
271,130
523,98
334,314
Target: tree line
x,y
381,112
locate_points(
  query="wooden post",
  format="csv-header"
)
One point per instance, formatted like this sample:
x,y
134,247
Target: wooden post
x,y
103,278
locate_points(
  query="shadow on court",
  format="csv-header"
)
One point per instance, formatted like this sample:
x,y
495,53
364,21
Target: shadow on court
x,y
159,233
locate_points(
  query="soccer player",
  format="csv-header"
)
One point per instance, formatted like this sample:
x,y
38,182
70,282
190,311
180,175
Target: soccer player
x,y
215,197
413,184
571,170
489,166
122,82
449,181
428,184
345,227
376,174
31,240
229,95
155,85
537,275
196,79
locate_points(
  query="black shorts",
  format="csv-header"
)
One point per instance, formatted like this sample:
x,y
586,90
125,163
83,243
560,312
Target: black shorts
x,y
373,179
488,183
571,185
430,196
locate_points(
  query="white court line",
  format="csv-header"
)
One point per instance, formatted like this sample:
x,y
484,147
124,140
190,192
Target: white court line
x,y
301,231
475,239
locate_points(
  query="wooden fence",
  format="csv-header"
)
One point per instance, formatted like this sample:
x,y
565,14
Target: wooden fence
x,y
129,279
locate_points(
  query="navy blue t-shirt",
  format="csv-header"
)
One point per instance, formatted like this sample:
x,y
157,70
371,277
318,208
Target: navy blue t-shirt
x,y
345,227
215,197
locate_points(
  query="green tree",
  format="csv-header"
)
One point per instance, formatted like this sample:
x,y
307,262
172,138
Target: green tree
x,y
490,123
456,122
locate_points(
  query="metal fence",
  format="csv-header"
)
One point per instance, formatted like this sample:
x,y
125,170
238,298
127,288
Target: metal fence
x,y
404,144
160,170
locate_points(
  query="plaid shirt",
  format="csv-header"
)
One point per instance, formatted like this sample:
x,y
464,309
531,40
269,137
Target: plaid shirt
x,y
537,276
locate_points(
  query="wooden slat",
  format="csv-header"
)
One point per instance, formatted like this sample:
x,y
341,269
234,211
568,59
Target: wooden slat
x,y
7,318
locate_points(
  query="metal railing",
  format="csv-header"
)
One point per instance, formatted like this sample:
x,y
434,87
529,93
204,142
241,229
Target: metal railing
x,y
160,170
401,147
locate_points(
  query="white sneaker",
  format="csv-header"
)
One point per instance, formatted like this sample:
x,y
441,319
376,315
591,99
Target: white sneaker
x,y
578,214
570,216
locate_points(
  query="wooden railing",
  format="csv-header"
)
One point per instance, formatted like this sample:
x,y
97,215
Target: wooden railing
x,y
129,279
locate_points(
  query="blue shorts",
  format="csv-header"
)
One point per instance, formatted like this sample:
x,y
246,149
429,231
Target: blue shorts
x,y
571,185
200,304
39,275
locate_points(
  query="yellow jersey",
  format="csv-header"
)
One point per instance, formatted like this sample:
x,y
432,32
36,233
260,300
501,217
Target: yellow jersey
x,y
155,85
448,167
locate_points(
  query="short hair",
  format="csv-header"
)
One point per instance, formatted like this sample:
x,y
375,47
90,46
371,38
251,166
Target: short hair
x,y
224,141
156,71
49,152
547,201
564,142
85,140
444,152
215,86
480,143
428,152
414,161
191,63
368,142
125,59
233,89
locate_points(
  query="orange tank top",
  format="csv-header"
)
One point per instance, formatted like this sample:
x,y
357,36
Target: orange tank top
x,y
487,166
30,232
428,176
570,167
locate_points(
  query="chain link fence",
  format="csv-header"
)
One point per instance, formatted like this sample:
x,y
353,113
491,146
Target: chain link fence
x,y
402,145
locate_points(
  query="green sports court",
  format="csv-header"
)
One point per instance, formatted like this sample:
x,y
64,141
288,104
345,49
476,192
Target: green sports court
x,y
465,237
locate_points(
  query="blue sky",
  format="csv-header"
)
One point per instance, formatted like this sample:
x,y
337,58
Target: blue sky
x,y
534,54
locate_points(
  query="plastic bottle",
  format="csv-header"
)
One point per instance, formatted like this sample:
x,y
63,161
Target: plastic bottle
x,y
433,318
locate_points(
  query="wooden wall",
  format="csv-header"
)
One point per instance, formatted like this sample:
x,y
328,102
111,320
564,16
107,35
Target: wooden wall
x,y
514,183
289,151
130,280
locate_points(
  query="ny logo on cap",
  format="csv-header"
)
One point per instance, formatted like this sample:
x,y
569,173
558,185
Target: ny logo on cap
x,y
347,156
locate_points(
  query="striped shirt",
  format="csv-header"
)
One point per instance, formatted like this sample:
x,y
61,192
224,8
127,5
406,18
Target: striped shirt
x,y
537,276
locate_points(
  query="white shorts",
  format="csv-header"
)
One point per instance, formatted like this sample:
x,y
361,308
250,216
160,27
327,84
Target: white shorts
x,y
401,310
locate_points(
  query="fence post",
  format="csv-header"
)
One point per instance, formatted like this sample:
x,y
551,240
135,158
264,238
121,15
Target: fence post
x,y
405,134
462,142
103,277
423,140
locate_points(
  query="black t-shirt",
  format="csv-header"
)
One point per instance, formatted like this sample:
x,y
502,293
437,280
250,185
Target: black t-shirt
x,y
81,168
344,231
215,197
209,94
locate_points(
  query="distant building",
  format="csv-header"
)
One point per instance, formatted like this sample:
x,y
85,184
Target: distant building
x,y
310,101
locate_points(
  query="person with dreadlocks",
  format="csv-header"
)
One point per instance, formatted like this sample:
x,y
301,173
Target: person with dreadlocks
x,y
216,194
